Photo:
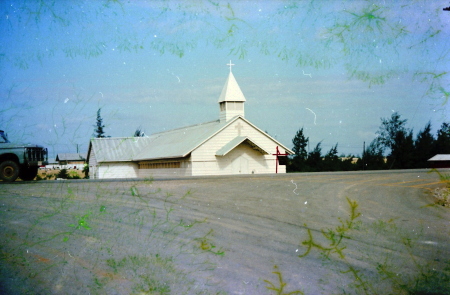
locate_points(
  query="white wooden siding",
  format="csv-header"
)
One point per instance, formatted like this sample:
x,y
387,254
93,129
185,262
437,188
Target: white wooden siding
x,y
93,171
172,172
205,162
231,110
117,170
241,160
184,170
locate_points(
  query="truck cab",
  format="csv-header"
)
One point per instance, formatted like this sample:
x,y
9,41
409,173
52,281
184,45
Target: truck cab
x,y
20,160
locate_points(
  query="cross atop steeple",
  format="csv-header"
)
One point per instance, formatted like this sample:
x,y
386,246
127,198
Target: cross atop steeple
x,y
230,64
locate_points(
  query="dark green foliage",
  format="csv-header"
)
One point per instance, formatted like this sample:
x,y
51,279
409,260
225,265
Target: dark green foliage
x,y
300,143
347,164
303,161
405,152
62,174
314,160
86,171
331,161
402,151
372,158
99,131
423,147
298,162
139,132
442,143
389,130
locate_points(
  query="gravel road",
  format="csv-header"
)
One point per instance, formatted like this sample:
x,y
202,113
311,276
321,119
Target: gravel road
x,y
227,235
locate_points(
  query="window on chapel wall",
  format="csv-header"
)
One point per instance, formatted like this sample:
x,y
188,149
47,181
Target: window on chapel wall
x,y
222,106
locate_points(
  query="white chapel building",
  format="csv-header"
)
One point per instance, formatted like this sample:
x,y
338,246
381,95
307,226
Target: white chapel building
x,y
229,145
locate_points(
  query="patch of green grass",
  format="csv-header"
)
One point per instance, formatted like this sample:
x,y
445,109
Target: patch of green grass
x,y
278,287
206,244
151,274
82,222
98,229
420,279
334,236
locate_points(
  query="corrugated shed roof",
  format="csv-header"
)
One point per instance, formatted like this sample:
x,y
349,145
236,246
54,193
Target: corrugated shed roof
x,y
117,149
440,157
231,90
70,157
179,142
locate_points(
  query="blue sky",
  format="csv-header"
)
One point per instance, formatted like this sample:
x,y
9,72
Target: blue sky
x,y
332,67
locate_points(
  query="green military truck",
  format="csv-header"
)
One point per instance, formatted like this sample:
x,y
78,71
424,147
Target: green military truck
x,y
20,160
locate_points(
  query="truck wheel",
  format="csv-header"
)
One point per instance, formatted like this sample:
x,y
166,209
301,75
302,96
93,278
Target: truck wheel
x,y
9,171
28,173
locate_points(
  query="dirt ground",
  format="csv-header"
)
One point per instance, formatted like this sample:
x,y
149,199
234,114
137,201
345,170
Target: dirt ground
x,y
362,233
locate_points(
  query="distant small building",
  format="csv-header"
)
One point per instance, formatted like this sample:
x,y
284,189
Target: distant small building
x,y
74,161
440,161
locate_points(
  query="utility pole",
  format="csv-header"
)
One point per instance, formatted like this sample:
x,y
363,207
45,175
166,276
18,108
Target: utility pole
x,y
363,154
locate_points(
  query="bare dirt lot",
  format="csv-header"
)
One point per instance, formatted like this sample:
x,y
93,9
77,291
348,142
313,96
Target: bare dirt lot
x,y
316,233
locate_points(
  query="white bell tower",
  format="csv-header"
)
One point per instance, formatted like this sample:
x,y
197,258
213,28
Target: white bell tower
x,y
231,100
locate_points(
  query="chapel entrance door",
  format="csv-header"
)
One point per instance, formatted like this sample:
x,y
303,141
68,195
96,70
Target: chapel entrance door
x,y
240,165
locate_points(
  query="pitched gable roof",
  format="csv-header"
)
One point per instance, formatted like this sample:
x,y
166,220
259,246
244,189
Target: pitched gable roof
x,y
70,157
176,143
237,141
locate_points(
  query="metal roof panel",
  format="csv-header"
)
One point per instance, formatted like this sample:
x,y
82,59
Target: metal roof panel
x,y
440,157
70,157
179,142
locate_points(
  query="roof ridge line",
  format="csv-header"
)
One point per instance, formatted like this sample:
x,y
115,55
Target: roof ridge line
x,y
189,126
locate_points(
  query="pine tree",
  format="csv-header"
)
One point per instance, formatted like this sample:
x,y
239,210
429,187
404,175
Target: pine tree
x,y
314,160
139,132
389,130
423,147
300,142
442,143
99,131
402,151
331,161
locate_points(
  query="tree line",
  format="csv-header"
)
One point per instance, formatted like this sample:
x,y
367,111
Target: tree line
x,y
394,147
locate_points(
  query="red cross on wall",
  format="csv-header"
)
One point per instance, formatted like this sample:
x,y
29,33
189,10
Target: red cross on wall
x,y
278,154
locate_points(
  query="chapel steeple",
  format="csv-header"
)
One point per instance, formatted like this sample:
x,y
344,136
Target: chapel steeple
x,y
231,100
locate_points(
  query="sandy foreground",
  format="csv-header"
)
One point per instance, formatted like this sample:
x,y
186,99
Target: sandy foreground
x,y
226,235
